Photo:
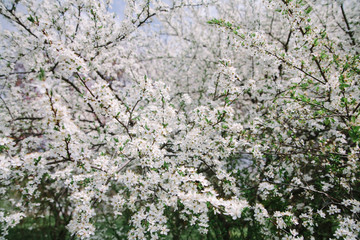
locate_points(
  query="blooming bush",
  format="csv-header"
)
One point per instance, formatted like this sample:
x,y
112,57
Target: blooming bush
x,y
182,115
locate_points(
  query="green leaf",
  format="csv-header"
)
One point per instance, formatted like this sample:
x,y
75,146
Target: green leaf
x,y
37,160
355,133
166,165
31,19
3,148
41,75
308,10
316,42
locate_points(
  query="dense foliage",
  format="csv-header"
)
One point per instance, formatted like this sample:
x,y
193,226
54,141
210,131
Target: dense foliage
x,y
185,119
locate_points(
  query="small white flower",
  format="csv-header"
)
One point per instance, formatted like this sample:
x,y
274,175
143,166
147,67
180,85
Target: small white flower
x,y
333,209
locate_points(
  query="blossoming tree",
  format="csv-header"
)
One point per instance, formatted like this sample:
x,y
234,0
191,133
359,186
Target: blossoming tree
x,y
169,119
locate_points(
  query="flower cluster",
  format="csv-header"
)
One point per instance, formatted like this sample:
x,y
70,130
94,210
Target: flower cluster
x,y
184,115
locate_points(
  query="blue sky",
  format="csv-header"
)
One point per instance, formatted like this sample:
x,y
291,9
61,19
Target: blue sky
x,y
118,7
